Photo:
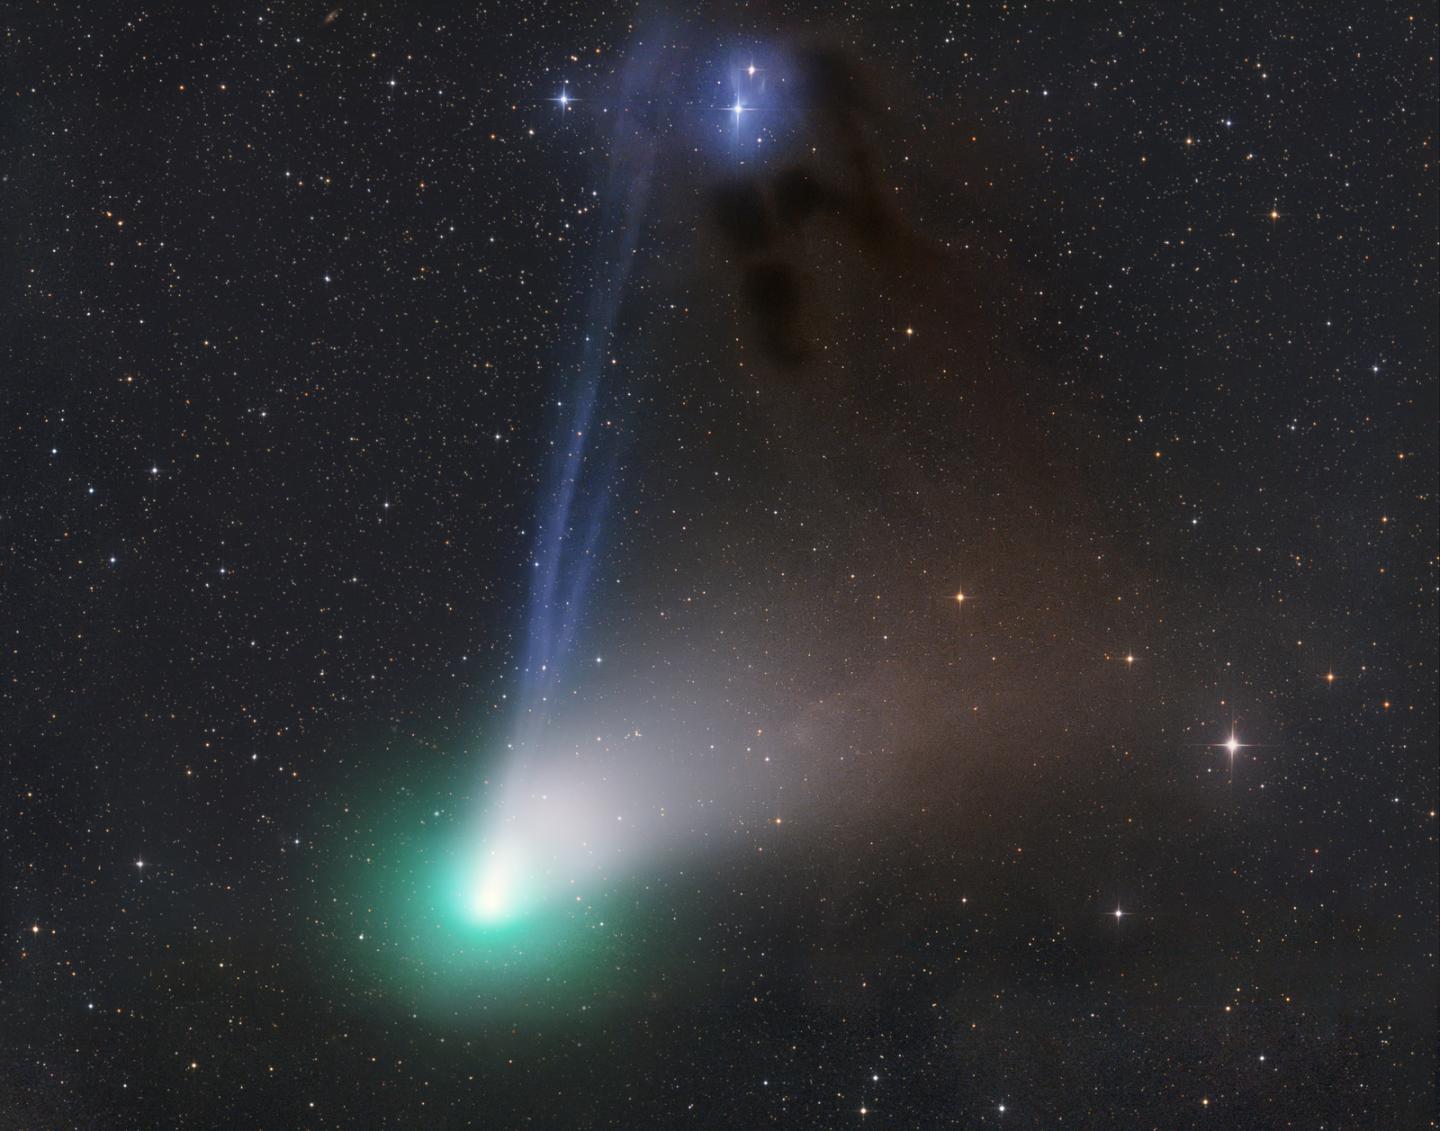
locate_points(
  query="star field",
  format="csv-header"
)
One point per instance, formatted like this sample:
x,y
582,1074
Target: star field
x,y
805,566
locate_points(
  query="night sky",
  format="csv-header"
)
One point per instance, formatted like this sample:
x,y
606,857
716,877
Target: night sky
x,y
830,566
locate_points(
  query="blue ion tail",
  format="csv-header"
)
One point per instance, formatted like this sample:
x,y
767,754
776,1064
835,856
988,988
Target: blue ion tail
x,y
574,501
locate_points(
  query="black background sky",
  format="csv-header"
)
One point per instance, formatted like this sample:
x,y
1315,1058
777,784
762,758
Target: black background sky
x,y
1121,320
